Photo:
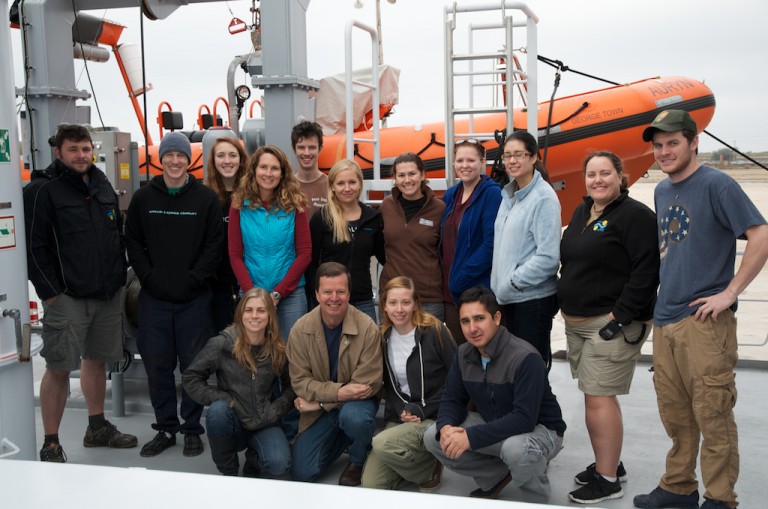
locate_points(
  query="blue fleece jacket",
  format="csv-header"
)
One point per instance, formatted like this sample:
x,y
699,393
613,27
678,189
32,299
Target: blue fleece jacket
x,y
526,242
474,242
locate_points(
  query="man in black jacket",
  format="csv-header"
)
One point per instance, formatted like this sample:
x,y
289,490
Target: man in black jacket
x,y
518,426
174,235
76,262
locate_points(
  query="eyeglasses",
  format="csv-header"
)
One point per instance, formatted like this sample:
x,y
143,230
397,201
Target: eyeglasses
x,y
506,156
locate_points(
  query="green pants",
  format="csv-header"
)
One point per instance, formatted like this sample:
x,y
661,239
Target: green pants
x,y
398,457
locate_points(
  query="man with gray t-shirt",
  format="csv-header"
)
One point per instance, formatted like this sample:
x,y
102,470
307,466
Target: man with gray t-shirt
x,y
701,212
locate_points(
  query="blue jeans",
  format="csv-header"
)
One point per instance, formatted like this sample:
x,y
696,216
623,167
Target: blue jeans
x,y
290,309
532,321
269,444
367,307
352,427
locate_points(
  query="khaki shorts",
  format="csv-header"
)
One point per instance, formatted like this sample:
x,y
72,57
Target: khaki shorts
x,y
604,368
82,328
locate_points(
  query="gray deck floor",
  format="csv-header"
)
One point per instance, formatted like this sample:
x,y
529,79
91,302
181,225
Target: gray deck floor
x,y
644,448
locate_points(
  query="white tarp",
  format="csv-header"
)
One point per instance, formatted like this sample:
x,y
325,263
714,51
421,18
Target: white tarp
x,y
331,113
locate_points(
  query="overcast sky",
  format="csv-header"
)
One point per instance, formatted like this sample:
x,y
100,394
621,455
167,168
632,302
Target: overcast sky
x,y
620,41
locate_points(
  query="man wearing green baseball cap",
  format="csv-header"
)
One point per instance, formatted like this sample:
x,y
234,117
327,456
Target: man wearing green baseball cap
x,y
701,212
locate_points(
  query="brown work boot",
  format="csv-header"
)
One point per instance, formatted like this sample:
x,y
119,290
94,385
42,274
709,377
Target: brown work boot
x,y
433,483
494,492
351,476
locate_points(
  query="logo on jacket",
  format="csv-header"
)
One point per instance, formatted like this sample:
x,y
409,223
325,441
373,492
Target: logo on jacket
x,y
111,215
599,226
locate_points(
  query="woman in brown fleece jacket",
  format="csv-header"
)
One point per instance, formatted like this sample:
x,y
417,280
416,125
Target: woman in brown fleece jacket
x,y
411,217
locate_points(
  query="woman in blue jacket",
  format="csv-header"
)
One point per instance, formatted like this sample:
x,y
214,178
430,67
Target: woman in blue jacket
x,y
466,245
526,245
269,242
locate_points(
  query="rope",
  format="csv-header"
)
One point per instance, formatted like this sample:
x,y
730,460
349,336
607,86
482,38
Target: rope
x,y
549,119
742,154
557,64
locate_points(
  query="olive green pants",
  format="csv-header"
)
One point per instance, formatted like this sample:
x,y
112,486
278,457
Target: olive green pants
x,y
398,457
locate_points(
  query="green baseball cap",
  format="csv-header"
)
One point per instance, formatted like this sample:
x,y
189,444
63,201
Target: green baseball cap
x,y
670,121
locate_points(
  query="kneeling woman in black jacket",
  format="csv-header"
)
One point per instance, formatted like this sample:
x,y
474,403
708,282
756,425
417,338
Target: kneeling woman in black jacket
x,y
417,350
249,361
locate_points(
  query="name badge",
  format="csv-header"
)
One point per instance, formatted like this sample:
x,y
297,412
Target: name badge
x,y
426,222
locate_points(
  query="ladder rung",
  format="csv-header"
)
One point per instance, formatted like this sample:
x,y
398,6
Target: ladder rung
x,y
476,136
479,73
471,111
478,56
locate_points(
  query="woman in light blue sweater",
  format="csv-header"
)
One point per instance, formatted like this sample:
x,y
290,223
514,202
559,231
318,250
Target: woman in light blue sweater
x,y
526,245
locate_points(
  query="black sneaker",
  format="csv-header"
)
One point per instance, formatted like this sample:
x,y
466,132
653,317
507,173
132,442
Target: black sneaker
x,y
494,492
588,473
53,453
108,436
660,497
193,445
158,444
596,490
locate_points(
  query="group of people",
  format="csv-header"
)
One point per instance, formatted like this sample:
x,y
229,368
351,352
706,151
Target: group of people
x,y
262,276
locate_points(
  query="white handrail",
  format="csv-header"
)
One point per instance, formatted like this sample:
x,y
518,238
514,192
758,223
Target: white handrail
x,y
349,96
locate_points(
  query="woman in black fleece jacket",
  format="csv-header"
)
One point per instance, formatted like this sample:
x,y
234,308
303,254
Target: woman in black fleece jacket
x,y
608,281
418,351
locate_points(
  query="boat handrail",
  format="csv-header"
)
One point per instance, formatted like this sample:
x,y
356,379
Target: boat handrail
x,y
349,97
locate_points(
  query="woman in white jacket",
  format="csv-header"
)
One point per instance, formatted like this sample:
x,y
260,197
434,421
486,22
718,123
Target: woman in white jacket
x,y
526,246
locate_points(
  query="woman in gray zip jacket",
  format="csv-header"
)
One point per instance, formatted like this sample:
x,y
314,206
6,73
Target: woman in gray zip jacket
x,y
418,351
249,361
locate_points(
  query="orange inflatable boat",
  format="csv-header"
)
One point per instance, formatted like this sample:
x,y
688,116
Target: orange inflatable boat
x,y
607,119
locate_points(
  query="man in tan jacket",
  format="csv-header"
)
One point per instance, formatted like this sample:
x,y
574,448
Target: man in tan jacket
x,y
334,358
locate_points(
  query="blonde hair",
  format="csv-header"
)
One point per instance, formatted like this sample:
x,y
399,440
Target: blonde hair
x,y
420,318
332,213
287,194
273,347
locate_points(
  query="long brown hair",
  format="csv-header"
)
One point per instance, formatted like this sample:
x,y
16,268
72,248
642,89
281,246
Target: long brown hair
x,y
420,317
273,347
332,213
287,194
214,180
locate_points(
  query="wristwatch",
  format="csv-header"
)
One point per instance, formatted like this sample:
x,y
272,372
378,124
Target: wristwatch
x,y
276,295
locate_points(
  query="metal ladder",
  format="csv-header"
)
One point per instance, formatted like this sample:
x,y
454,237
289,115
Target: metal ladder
x,y
374,86
512,78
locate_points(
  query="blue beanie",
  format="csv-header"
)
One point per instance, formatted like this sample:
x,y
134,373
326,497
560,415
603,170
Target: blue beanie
x,y
176,142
